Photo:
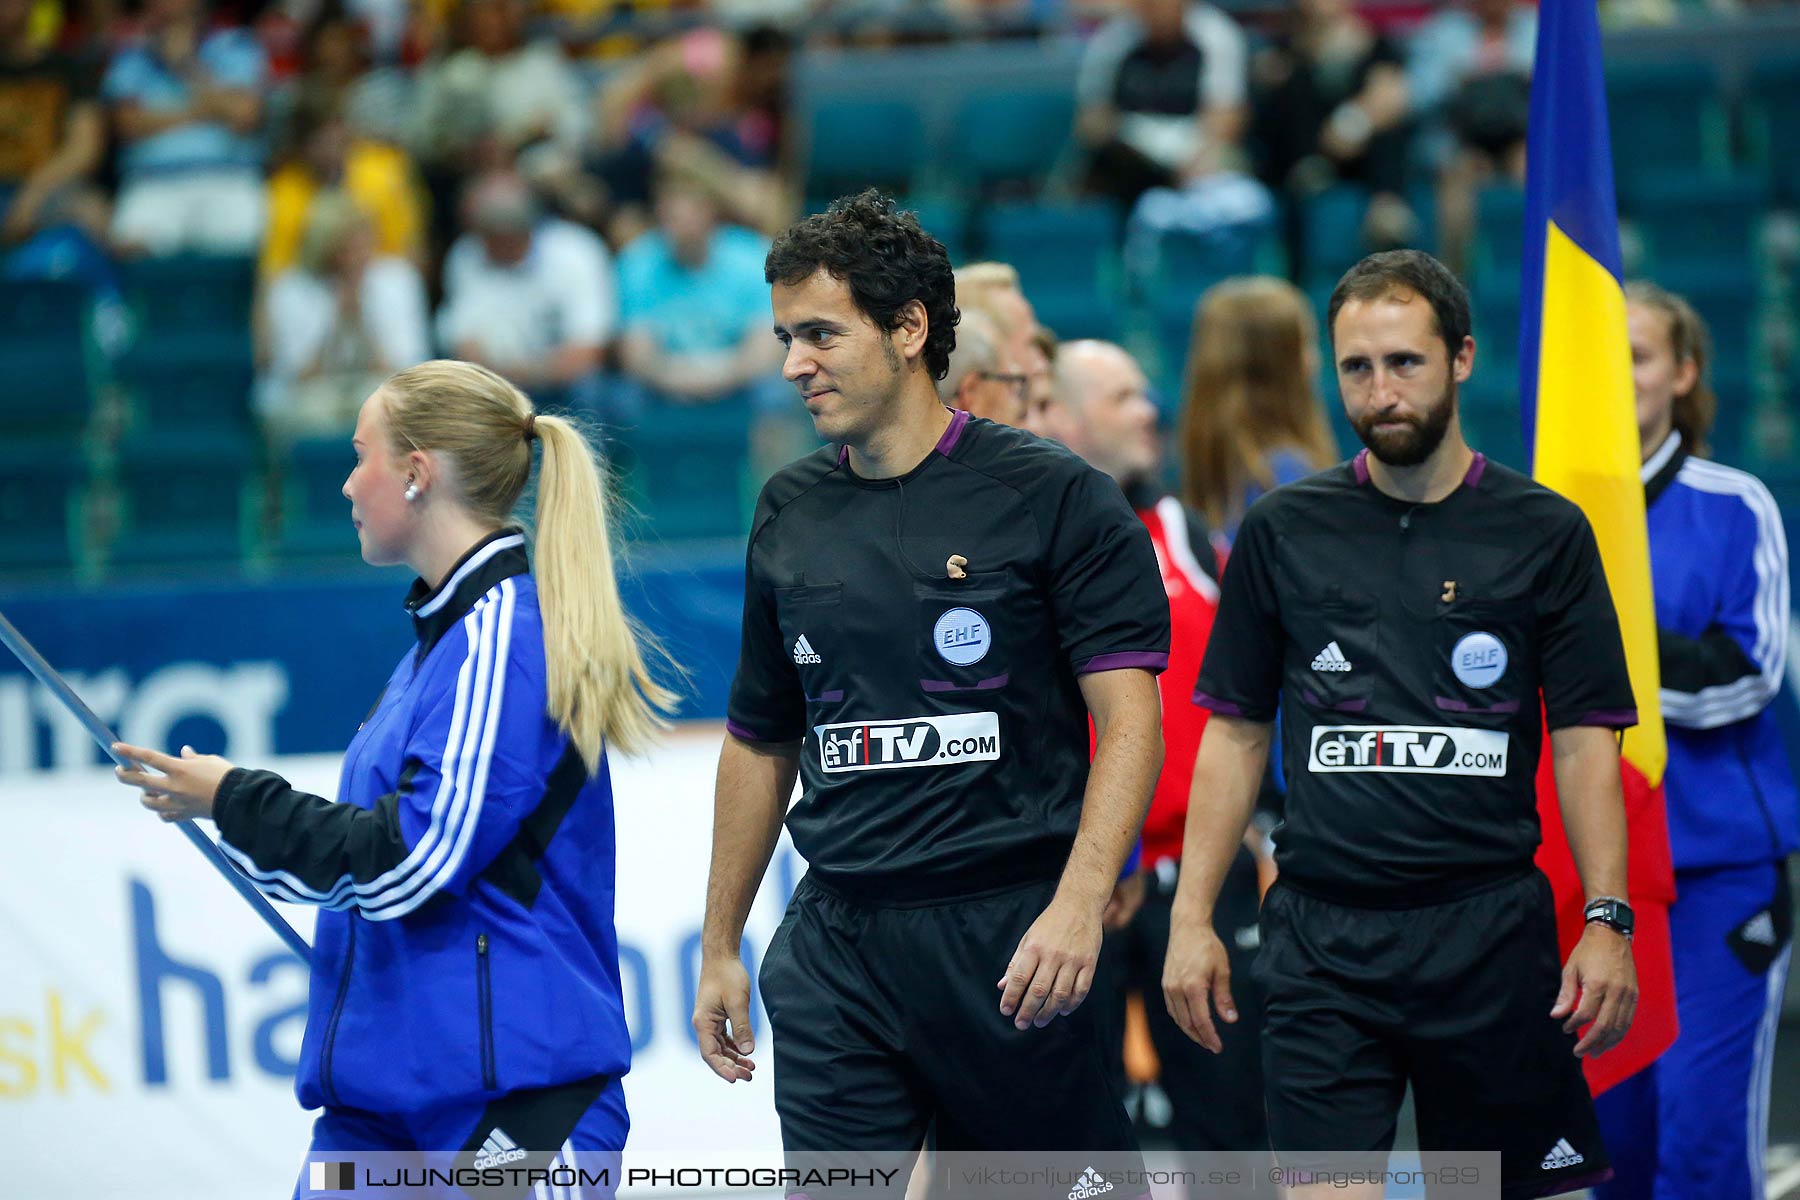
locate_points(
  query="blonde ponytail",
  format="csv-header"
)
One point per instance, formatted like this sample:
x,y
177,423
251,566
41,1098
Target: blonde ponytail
x,y
600,687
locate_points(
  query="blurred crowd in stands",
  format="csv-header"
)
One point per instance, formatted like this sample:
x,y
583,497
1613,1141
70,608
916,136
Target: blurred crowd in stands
x,y
292,200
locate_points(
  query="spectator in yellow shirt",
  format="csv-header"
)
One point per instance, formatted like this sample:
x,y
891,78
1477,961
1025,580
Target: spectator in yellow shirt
x,y
329,156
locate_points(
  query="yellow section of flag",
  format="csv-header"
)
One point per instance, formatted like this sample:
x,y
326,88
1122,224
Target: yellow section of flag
x,y
1587,449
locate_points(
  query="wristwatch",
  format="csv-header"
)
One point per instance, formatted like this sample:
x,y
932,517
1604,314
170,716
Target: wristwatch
x,y
1611,912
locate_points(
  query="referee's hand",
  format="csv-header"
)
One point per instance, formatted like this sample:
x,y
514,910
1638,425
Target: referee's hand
x,y
1197,979
722,996
1053,968
1601,974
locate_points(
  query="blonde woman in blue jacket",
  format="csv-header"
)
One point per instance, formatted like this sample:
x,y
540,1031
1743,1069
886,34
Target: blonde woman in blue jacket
x,y
465,994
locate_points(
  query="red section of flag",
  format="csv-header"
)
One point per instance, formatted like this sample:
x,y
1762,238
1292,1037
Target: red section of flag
x,y
1651,877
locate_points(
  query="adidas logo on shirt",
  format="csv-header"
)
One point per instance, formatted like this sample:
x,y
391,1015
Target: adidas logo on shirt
x,y
1561,1155
804,654
1091,1183
497,1151
1330,659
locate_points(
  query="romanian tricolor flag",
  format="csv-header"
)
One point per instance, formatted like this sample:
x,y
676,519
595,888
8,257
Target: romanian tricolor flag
x,y
1580,419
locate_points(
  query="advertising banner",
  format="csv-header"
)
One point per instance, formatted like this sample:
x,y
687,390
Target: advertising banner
x,y
150,1023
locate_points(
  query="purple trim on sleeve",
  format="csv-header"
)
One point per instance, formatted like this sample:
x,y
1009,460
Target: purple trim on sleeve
x,y
1449,705
1476,469
1349,706
1612,718
1124,660
947,443
831,697
944,685
1360,465
1223,707
750,735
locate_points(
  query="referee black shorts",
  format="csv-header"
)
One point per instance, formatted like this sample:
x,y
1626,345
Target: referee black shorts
x,y
1455,999
887,1023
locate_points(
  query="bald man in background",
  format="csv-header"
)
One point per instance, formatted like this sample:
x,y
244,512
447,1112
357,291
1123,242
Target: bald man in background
x,y
1102,406
1108,417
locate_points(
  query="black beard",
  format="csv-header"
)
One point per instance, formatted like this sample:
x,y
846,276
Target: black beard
x,y
1417,442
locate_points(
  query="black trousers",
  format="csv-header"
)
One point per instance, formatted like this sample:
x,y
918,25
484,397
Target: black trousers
x,y
1215,1100
887,1024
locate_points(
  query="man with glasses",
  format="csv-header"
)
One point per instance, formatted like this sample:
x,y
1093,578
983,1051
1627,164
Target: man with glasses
x,y
983,379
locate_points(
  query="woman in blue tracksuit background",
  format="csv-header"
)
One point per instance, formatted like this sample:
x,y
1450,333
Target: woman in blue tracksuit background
x,y
465,991
1694,1124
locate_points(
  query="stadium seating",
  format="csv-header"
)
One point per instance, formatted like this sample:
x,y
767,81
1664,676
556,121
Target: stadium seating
x,y
982,154
943,219
315,517
853,144
1335,417
1174,317
1772,117
1004,137
171,396
684,470
184,498
1331,224
40,506
1489,408
1499,232
44,344
1062,253
190,309
1732,438
1496,303
1666,119
1701,219
1726,297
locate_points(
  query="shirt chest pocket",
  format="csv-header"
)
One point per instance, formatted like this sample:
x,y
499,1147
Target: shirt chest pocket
x,y
1484,651
965,632
1331,650
811,617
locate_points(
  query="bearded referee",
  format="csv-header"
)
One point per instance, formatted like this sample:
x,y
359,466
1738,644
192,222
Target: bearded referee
x,y
934,604
1407,609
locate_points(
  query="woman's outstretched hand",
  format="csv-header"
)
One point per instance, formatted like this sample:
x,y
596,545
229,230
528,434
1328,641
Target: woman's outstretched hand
x,y
185,787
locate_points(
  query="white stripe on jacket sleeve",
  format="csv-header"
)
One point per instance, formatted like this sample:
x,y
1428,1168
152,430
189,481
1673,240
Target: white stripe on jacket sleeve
x,y
1724,704
463,767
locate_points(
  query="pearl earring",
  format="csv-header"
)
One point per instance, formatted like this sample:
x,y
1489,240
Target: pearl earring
x,y
412,491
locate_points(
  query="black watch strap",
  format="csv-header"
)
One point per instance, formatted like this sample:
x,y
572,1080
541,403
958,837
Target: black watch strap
x,y
1611,912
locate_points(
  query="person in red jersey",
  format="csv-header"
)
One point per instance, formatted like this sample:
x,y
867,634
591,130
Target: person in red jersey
x,y
1215,1101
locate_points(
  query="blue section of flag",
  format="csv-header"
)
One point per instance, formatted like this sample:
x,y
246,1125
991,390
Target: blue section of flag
x,y
1568,176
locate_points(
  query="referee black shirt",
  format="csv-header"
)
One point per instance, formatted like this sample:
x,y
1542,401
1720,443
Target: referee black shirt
x,y
946,739
1407,645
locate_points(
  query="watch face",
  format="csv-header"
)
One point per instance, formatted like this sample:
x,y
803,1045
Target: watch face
x,y
1611,913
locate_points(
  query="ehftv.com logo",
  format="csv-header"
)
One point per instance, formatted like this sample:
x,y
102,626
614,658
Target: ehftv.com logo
x,y
1409,750
908,742
331,1176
